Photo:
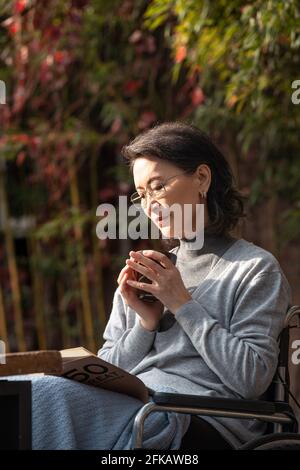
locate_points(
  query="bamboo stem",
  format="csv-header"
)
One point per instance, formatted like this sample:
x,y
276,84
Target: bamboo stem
x,y
80,328
83,279
12,267
63,316
97,254
37,288
271,228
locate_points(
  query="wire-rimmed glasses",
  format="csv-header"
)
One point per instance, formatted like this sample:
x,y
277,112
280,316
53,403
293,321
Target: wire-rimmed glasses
x,y
156,192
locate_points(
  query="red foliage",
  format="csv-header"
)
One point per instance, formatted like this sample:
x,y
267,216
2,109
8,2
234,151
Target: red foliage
x,y
14,27
19,6
60,57
181,53
197,96
20,158
21,138
131,87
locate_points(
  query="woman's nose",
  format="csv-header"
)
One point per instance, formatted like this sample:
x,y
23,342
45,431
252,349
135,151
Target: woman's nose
x,y
149,211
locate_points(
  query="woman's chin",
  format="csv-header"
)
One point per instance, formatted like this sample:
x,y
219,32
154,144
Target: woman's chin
x,y
163,228
166,231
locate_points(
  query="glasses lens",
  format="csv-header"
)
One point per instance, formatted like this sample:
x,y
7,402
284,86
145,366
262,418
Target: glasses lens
x,y
158,191
136,199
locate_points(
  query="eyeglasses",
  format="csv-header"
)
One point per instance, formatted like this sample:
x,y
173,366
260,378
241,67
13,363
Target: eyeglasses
x,y
158,192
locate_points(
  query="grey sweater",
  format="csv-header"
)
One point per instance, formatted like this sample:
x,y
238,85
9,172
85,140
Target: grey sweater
x,y
221,343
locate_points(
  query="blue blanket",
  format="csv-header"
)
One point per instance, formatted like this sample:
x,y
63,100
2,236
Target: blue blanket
x,y
70,415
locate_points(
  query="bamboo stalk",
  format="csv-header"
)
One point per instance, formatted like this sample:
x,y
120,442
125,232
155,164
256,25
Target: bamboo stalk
x,y
74,287
83,279
12,267
63,316
97,254
37,289
3,327
80,328
271,226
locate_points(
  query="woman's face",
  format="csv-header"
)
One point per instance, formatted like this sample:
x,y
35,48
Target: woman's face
x,y
182,189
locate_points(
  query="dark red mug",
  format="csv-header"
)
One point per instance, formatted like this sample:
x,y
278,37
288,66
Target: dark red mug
x,y
147,296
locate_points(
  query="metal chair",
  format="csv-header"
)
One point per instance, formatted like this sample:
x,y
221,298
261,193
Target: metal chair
x,y
274,408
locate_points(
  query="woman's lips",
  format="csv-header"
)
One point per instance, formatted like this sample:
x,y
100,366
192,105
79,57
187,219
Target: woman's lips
x,y
159,216
161,222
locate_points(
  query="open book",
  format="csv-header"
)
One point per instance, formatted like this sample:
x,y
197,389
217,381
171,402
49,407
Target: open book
x,y
76,364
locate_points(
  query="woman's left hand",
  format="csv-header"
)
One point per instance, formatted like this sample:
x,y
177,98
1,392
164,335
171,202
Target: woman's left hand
x,y
167,284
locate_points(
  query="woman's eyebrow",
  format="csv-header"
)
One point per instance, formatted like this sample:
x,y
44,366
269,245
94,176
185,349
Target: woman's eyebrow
x,y
149,181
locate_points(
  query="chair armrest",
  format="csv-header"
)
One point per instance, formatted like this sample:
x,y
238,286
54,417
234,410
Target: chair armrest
x,y
274,412
228,404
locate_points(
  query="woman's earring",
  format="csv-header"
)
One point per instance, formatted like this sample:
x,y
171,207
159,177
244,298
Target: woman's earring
x,y
203,194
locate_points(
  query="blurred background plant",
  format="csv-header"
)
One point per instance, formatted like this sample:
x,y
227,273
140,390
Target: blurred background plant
x,y
82,78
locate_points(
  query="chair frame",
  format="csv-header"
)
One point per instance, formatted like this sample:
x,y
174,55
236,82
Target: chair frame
x,y
277,412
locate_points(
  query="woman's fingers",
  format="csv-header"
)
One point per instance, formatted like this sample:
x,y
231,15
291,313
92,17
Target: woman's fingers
x,y
122,272
122,286
125,289
131,269
146,261
126,269
142,269
157,256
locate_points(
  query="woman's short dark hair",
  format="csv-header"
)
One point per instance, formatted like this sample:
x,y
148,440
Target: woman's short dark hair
x,y
187,147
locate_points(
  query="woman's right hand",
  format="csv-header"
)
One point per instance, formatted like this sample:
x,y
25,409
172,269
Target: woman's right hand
x,y
149,313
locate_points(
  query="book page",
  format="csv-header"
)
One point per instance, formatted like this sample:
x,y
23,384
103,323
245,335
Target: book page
x,y
85,367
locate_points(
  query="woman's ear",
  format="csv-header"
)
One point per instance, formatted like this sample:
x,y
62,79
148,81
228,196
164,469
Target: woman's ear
x,y
203,175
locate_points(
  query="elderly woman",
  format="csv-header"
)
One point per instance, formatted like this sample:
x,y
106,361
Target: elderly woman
x,y
213,327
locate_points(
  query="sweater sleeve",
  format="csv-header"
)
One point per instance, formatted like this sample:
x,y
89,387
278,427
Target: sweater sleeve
x,y
245,355
124,347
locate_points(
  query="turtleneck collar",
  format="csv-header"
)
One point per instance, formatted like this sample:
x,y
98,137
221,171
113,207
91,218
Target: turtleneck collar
x,y
212,243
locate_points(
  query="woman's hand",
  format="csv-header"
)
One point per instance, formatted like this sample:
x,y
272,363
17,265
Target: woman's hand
x,y
167,284
150,314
